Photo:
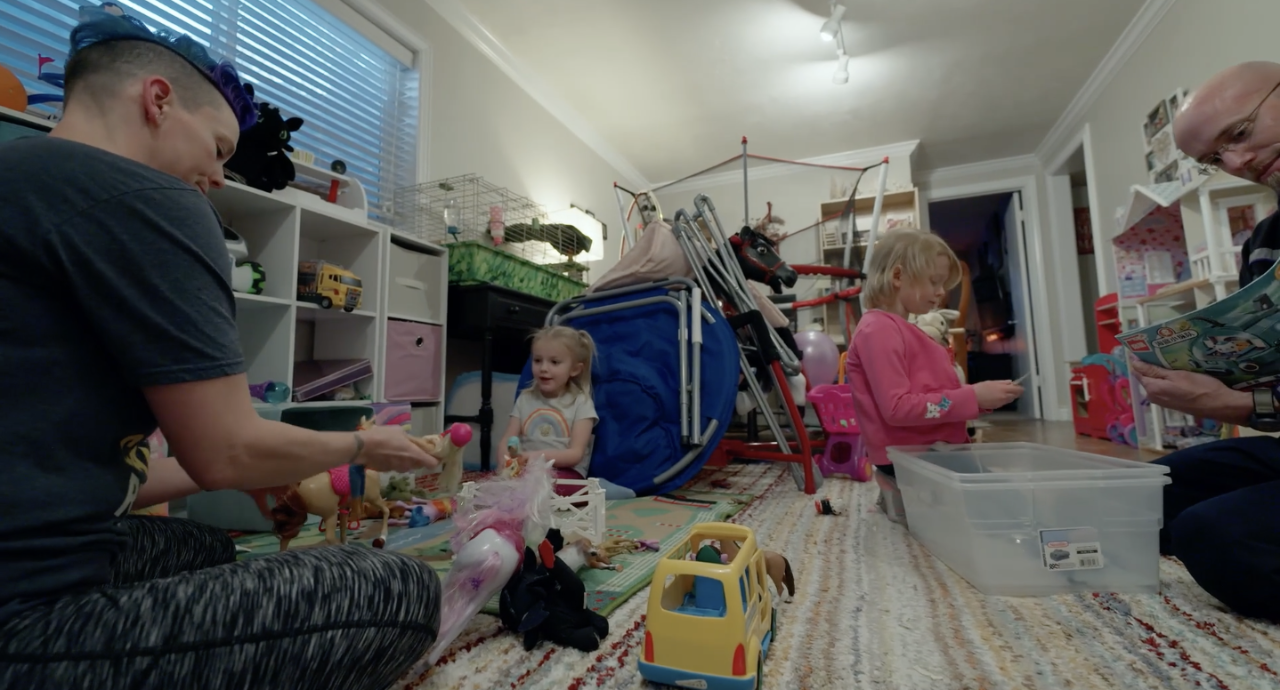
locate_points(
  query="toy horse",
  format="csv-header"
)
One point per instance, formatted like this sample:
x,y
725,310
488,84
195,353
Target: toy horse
x,y
776,566
447,448
340,491
492,530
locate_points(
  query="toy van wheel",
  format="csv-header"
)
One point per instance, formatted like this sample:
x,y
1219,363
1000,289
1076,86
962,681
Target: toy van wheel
x,y
348,309
338,167
325,303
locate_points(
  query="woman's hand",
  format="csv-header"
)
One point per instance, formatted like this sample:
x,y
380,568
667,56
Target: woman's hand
x,y
993,395
1198,395
389,449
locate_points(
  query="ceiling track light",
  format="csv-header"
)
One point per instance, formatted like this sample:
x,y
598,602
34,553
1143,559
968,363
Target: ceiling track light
x,y
831,27
841,75
842,69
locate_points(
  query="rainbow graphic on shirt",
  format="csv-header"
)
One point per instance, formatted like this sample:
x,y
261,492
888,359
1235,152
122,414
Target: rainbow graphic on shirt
x,y
545,424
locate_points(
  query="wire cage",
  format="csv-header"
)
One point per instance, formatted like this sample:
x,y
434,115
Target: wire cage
x,y
466,208
454,209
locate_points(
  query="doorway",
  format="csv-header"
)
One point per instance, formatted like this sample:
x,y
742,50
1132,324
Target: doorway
x,y
1082,222
987,233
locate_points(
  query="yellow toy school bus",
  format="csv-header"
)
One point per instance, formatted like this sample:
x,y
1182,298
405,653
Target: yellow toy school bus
x,y
709,624
326,284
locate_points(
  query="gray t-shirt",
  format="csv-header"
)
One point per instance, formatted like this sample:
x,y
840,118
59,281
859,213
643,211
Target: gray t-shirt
x,y
114,277
547,424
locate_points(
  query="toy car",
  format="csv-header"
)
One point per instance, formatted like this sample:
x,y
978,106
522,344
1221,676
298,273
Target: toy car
x,y
709,623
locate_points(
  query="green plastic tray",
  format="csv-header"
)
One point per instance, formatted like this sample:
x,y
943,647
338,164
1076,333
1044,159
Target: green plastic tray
x,y
473,263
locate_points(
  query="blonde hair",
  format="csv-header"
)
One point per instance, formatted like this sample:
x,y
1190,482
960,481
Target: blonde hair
x,y
914,251
580,346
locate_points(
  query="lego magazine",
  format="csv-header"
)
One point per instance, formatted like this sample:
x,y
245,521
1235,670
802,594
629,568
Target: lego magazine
x,y
1236,340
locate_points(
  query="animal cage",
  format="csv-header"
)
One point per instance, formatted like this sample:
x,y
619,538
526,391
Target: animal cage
x,y
466,208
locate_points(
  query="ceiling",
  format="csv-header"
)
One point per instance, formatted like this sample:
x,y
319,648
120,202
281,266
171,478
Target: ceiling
x,y
673,84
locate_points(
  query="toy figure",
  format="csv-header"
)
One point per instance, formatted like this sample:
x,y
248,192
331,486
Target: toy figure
x,y
582,553
496,224
511,463
776,566
546,600
493,527
447,448
829,506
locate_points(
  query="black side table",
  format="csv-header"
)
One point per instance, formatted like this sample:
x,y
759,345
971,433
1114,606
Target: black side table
x,y
494,316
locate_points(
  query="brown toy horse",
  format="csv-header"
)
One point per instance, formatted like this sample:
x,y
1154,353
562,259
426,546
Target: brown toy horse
x,y
328,495
776,566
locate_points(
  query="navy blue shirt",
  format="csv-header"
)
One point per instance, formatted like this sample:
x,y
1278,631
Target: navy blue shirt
x,y
1261,250
113,277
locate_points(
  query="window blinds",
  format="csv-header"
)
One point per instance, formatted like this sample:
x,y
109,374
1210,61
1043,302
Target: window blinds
x,y
359,103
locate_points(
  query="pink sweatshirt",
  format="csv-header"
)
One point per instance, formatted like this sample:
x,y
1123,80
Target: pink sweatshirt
x,y
905,389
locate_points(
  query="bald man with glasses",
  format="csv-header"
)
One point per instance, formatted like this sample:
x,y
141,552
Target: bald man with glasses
x,y
1222,509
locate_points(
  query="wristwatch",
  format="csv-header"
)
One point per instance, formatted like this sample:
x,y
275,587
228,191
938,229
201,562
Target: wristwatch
x,y
1265,417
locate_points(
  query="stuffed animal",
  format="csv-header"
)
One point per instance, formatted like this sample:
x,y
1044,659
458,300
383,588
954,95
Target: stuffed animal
x,y
545,600
937,324
262,158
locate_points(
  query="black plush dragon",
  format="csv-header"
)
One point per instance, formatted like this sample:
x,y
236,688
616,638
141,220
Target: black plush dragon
x,y
262,158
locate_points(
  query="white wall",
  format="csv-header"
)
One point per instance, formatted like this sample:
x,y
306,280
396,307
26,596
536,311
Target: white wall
x,y
796,193
480,121
1193,40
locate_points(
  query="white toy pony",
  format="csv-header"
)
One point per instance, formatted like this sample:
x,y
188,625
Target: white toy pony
x,y
937,325
493,528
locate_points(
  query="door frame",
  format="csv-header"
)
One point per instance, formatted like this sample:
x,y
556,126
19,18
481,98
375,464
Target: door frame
x,y
1040,342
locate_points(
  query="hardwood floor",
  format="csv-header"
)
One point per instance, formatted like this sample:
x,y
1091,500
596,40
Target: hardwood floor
x,y
1010,428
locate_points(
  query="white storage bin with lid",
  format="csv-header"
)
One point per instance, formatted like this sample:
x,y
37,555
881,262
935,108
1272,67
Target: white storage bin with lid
x,y
1021,519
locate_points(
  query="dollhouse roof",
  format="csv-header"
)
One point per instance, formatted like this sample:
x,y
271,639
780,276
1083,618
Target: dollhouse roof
x,y
1144,200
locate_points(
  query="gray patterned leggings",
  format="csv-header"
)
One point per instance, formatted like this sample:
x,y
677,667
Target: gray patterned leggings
x,y
180,613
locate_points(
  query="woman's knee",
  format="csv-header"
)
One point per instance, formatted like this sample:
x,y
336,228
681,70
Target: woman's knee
x,y
397,588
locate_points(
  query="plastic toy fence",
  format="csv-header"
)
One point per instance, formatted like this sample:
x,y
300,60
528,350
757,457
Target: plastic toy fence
x,y
587,519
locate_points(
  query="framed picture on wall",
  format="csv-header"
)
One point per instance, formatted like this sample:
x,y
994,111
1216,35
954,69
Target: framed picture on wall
x,y
1164,162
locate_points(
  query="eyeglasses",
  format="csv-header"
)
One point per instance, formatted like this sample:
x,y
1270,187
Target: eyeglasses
x,y
1240,136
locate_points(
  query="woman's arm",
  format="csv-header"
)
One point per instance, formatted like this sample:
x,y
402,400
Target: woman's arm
x,y
222,443
166,481
571,456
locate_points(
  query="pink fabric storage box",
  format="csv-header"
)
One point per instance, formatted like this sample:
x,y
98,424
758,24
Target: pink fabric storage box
x,y
413,362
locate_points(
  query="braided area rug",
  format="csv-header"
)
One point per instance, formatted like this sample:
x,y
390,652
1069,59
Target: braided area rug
x,y
875,610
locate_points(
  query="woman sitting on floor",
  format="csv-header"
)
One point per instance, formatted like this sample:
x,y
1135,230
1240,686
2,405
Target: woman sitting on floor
x,y
118,315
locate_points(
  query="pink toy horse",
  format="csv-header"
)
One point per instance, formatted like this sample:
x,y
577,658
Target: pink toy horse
x,y
493,528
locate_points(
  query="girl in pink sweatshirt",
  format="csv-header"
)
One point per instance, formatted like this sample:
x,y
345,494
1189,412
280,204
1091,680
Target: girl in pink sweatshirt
x,y
905,389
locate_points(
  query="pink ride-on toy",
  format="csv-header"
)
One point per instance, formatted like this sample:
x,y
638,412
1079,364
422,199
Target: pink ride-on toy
x,y
843,454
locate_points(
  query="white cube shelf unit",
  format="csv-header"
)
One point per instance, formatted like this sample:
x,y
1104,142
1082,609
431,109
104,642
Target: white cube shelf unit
x,y
404,282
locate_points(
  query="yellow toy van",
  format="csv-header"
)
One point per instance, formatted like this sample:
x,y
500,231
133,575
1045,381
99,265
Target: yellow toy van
x,y
326,284
709,623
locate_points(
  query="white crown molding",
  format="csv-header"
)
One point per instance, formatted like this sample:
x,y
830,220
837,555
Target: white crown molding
x,y
466,24
859,157
1069,123
999,168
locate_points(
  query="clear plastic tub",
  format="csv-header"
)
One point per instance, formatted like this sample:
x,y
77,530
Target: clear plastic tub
x,y
1021,519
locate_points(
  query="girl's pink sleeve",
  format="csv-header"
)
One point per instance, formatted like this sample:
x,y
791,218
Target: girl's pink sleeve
x,y
885,359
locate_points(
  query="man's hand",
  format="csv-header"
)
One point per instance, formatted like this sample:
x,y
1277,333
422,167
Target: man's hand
x,y
1195,394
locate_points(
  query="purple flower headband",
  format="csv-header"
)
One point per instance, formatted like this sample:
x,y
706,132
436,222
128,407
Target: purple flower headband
x,y
108,22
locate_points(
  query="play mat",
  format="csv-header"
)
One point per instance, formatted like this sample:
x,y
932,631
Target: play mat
x,y
665,519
